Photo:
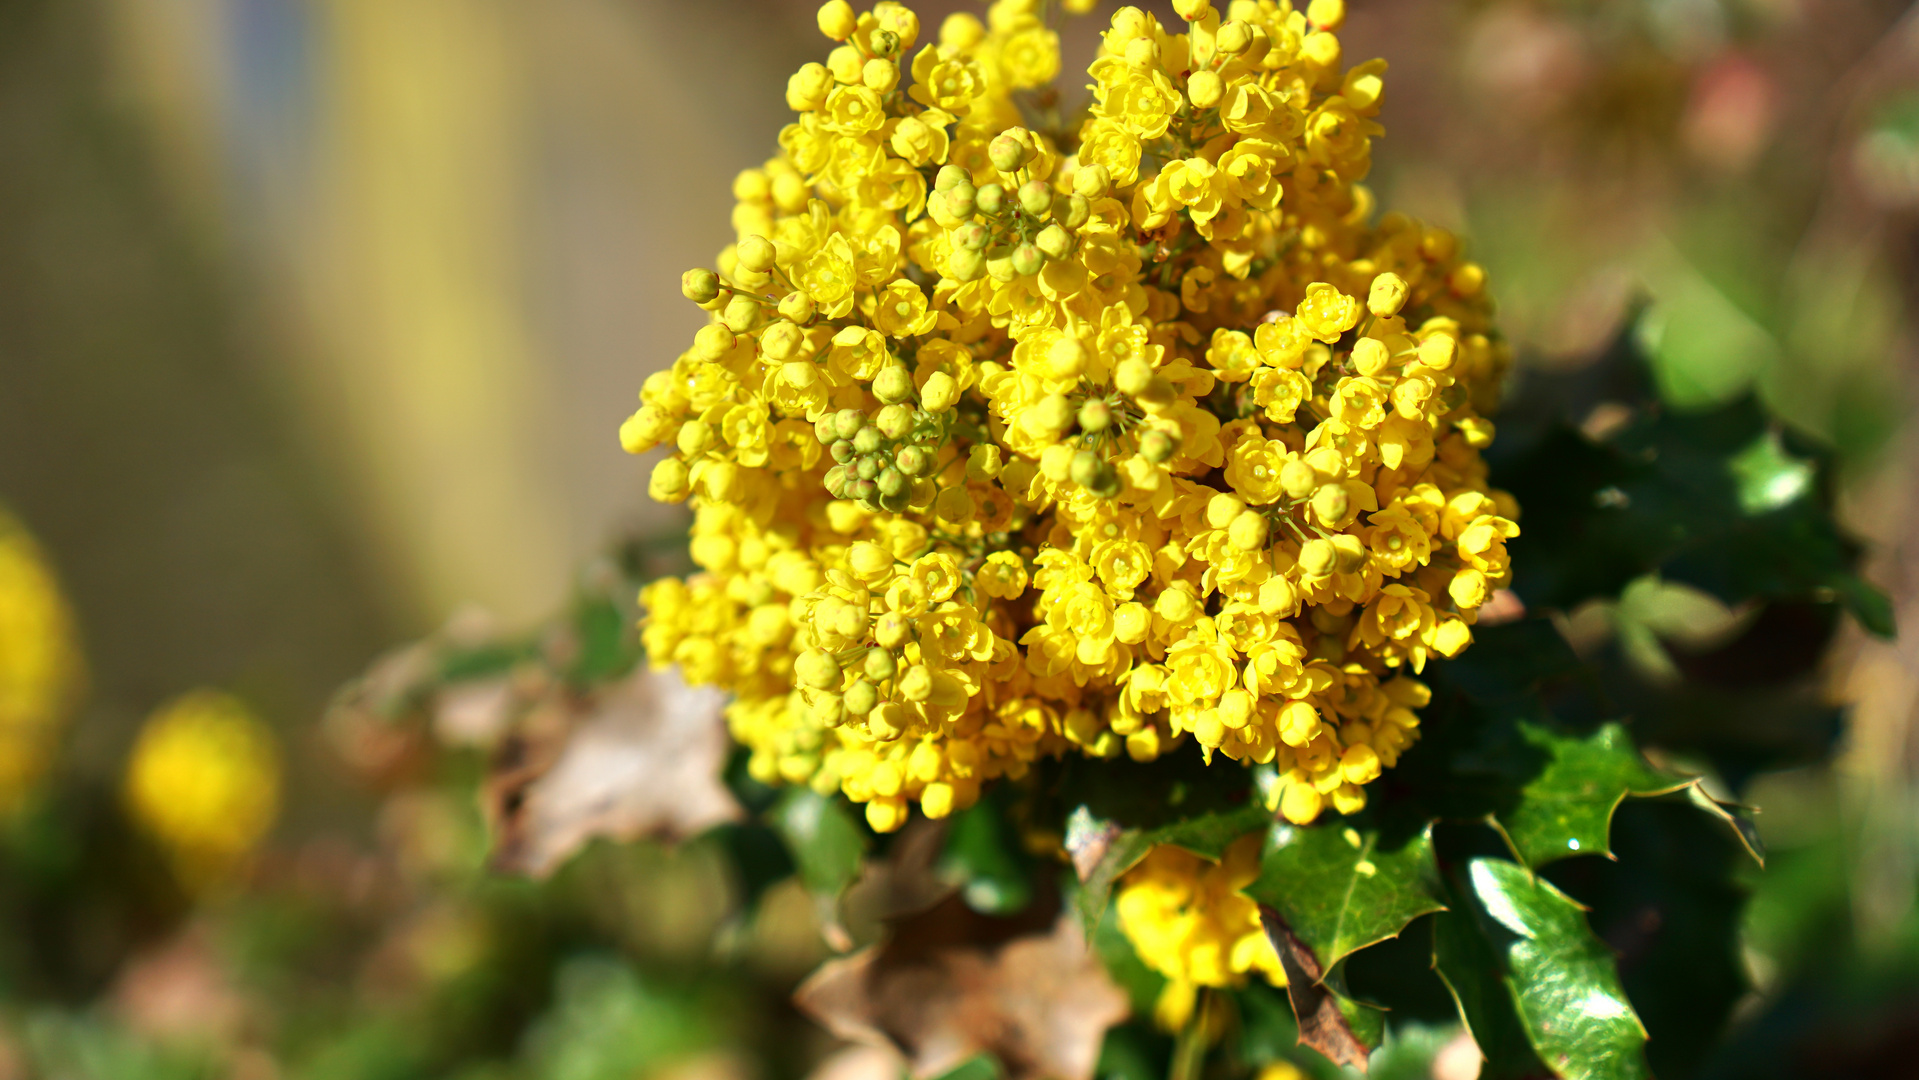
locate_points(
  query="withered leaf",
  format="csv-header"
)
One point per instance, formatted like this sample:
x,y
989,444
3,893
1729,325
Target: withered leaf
x,y
1039,1002
1323,1023
641,758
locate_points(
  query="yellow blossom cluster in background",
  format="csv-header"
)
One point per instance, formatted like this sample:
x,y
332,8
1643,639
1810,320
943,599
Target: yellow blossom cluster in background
x,y
40,668
1187,920
204,780
1013,435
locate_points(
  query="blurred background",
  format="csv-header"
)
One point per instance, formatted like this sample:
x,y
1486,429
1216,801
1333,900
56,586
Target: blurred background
x,y
317,322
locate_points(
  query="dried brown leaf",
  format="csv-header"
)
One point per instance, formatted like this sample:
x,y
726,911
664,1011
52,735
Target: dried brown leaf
x,y
1039,1002
1322,1025
641,759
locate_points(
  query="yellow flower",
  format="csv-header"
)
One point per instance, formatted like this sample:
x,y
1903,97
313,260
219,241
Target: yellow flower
x,y
204,780
40,667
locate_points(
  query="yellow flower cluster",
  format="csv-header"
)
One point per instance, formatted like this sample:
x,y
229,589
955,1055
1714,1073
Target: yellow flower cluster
x,y
1007,441
204,780
1187,920
40,669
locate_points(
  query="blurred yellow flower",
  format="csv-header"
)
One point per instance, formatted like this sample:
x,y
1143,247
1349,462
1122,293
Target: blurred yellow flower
x,y
204,780
40,665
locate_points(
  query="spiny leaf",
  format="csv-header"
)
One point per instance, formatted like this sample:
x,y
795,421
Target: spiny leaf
x,y
1563,981
1566,807
1342,887
1102,850
1466,964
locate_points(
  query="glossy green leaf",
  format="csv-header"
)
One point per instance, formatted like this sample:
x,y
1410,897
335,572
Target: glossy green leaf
x,y
1563,981
1565,808
1342,886
1465,962
824,841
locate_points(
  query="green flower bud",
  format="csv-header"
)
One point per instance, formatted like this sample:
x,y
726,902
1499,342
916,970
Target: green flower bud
x,y
1036,198
892,482
950,177
1073,211
999,266
1056,242
893,385
1330,503
885,43
1007,152
966,265
963,200
912,460
879,664
896,503
823,430
848,422
1027,260
700,286
817,668
867,468
895,421
972,236
860,698
1095,416
867,440
1086,468
991,199
1157,446
864,491
836,481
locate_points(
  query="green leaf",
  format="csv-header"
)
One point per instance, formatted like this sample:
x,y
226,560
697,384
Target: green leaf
x,y
980,1066
1767,477
821,834
1467,965
1566,807
1343,885
1563,981
983,855
1102,850
1344,1030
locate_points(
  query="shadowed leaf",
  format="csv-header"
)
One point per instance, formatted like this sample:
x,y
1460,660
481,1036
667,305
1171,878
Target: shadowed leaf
x,y
1343,1030
1341,887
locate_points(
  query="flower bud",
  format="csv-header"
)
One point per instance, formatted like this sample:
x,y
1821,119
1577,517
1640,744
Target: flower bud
x,y
983,462
880,76
1248,531
1092,181
963,200
1066,359
999,265
1326,14
895,421
1085,468
817,668
879,664
1073,212
1133,376
1054,242
841,449
1316,557
893,385
1027,260
1222,508
1193,10
1349,553
1330,504
1204,89
1051,414
797,308
1387,296
700,286
1036,198
694,437
972,236
1298,479
742,313
966,264
836,20
990,199
1008,152
1233,37
1095,416
713,342
940,392
891,482
1369,356
950,177
848,422
867,440
860,698
1157,446
669,481
755,253
867,467
912,460
885,43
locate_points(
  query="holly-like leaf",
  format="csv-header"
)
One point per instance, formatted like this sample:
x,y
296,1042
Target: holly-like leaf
x,y
1343,886
1566,807
1102,850
1562,980
1467,965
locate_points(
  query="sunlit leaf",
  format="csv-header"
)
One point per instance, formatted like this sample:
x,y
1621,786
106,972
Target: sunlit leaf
x,y
1342,887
